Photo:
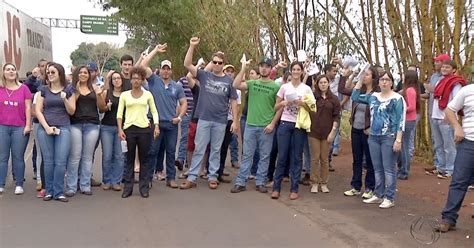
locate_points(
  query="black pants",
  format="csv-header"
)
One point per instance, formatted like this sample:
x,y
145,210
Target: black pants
x,y
137,137
224,148
273,159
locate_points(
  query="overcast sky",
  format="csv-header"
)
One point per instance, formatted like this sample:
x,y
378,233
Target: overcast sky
x,y
64,40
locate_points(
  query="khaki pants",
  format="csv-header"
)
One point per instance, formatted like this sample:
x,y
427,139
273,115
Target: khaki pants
x,y
319,160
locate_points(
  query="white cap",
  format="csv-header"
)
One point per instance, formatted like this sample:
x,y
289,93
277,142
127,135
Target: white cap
x,y
165,63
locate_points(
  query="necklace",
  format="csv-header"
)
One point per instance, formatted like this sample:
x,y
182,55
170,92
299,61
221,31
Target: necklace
x,y
9,94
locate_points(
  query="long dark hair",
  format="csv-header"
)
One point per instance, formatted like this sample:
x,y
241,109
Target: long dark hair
x,y
300,65
411,80
110,92
375,80
75,77
318,94
61,72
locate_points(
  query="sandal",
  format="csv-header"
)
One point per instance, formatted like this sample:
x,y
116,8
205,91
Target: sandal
x,y
213,184
187,185
275,195
293,196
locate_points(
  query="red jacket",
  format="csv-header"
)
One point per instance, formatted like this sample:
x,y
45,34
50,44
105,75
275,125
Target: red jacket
x,y
445,87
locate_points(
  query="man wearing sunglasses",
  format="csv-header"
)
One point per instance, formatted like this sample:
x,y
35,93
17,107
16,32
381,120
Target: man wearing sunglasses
x,y
216,91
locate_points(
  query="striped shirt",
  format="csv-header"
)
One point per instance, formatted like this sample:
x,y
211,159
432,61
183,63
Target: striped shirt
x,y
189,95
464,99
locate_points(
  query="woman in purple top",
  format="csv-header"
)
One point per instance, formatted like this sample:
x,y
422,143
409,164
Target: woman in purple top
x,y
15,125
54,106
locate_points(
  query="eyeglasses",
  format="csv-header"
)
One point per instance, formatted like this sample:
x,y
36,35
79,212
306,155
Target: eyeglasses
x,y
218,62
50,72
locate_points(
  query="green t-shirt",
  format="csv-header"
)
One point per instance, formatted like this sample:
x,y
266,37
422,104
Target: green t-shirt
x,y
261,102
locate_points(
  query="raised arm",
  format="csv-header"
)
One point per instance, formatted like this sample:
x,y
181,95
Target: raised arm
x,y
239,82
357,96
146,60
188,60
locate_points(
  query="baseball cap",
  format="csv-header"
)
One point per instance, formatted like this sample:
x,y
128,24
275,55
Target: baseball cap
x,y
92,66
228,66
266,61
165,63
442,57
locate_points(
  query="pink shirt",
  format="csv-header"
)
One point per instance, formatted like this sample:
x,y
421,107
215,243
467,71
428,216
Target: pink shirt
x,y
12,106
410,99
287,90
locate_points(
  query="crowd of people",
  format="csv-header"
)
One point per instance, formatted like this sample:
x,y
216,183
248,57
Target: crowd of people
x,y
289,127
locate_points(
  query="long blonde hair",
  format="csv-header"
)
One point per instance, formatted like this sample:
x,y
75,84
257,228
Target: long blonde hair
x,y
4,80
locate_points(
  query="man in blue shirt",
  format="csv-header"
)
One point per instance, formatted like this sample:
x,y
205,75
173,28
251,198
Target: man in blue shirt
x,y
216,91
166,93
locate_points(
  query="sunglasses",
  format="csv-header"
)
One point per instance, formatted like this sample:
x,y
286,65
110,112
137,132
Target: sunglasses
x,y
51,72
218,62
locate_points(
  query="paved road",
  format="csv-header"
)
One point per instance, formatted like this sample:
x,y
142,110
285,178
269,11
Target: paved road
x,y
202,217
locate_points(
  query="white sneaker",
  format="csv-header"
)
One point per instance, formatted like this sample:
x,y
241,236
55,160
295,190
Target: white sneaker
x,y
19,190
324,188
387,204
315,188
2,190
373,200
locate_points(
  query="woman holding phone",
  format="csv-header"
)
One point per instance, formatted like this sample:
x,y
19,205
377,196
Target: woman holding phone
x,y
54,106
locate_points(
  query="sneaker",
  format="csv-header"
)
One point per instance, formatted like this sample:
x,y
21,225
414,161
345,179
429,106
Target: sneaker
x,y
367,194
470,188
324,188
315,188
331,169
182,175
237,189
444,175
373,200
107,186
69,193
38,186
305,180
445,227
432,172
47,197
261,189
286,179
387,204
95,183
41,193
19,190
352,192
160,176
251,177
61,198
269,184
179,164
117,187
2,190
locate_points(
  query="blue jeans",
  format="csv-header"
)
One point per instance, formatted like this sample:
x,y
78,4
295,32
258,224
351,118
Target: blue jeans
x,y
168,137
383,159
256,157
183,143
207,132
443,135
112,156
255,137
306,157
435,153
55,150
336,143
410,127
462,177
292,138
83,140
15,142
360,147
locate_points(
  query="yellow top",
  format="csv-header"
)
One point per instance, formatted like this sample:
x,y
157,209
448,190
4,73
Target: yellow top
x,y
137,109
303,120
